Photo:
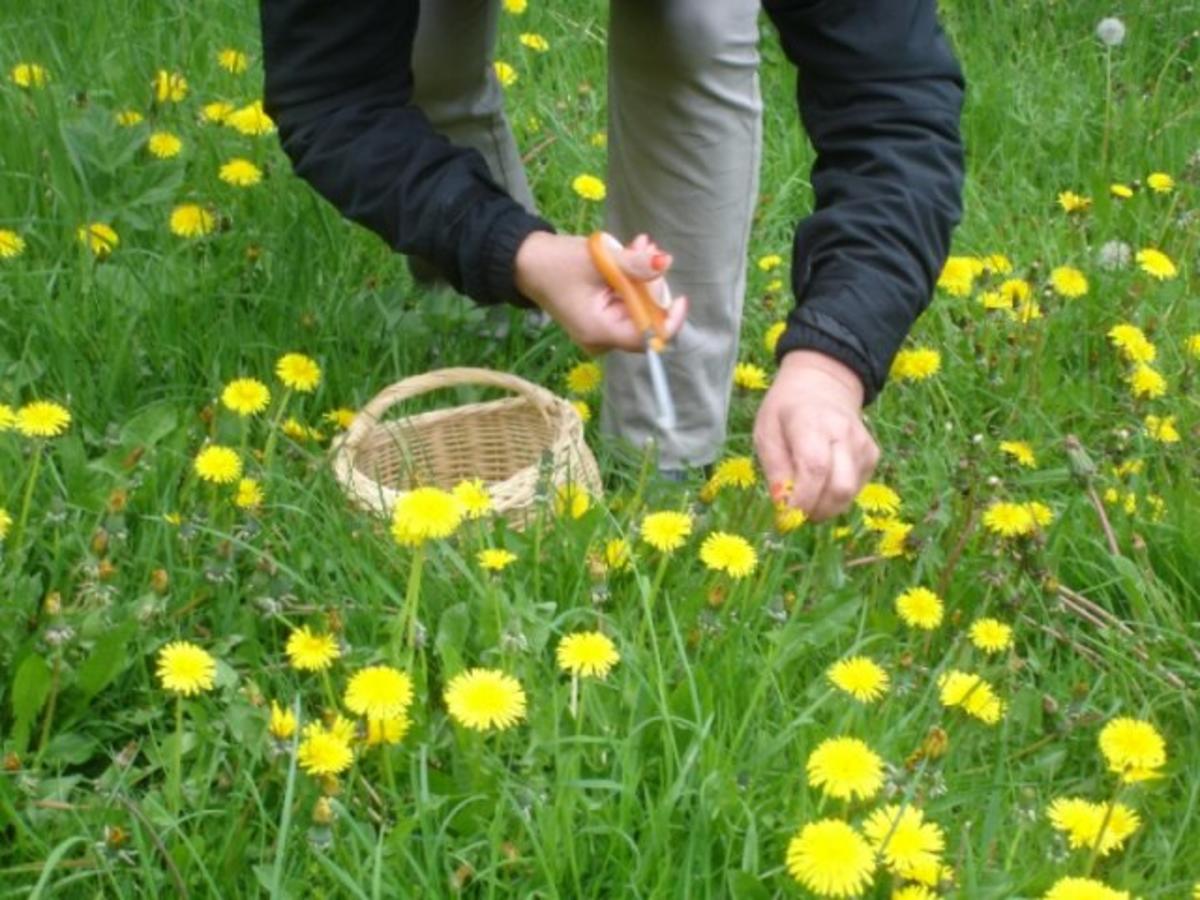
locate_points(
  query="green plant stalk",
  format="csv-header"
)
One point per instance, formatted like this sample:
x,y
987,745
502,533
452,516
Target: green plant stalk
x,y
273,434
1094,852
51,702
177,762
27,500
407,625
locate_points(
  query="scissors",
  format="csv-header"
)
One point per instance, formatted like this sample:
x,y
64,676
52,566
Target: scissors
x,y
648,316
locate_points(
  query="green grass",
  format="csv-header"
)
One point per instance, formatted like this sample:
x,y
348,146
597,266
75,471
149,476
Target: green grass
x,y
685,774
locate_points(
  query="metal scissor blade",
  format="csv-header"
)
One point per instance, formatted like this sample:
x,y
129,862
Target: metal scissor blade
x,y
662,391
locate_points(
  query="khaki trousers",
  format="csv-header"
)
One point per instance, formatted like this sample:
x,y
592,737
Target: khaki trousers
x,y
684,140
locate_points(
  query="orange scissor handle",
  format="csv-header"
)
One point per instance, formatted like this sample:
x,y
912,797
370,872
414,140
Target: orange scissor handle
x,y
647,315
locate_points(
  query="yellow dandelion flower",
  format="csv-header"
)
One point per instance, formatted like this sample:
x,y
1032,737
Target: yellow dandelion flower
x,y
474,498
184,668
515,7
990,635
8,417
128,118
340,418
1009,519
240,173
1131,342
1133,748
425,514
1026,312
772,335
324,751
505,73
1083,889
1160,182
1162,429
311,652
788,518
589,187
298,372
6,521
914,892
918,364
972,694
169,87
666,531
218,464
233,61
774,286
246,396
860,677
894,539
1156,264
282,722
42,419
1068,282
830,858
1021,451
729,553
250,120
1072,202
587,653
617,554
164,144
845,768
1146,381
12,244
572,500
920,607
582,410
1191,345
483,699
495,559
190,220
1086,825
958,275
249,494
903,839
1016,290
98,237
876,497
1120,191
534,42
750,377
216,112
770,262
734,472
584,378
29,75
387,730
996,263
379,692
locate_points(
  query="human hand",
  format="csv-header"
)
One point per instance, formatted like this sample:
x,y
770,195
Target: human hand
x,y
809,433
556,272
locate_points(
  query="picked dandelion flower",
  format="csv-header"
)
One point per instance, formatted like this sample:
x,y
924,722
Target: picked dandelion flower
x,y
217,464
250,120
495,559
311,652
298,372
164,145
845,768
425,514
920,607
1156,264
282,722
233,61
98,237
387,730
1068,282
587,653
903,839
245,396
990,635
324,751
485,699
12,244
29,75
571,499
1160,182
589,187
750,377
1020,451
860,677
772,335
972,694
42,419
830,858
1073,203
1133,748
918,364
191,221
379,692
249,494
473,494
169,87
1070,888
505,73
876,497
666,531
240,173
186,669
728,553
584,378
1161,429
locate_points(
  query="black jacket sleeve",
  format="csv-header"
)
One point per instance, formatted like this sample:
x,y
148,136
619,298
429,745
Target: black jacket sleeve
x,y
881,96
339,86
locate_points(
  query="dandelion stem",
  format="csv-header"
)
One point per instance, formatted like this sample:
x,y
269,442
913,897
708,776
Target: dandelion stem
x,y
407,629
1094,852
273,434
27,501
50,705
574,707
177,767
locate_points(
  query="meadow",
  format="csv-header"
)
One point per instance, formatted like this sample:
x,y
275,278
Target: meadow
x,y
218,678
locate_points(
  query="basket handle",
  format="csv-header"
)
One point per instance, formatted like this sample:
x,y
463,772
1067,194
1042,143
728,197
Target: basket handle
x,y
541,399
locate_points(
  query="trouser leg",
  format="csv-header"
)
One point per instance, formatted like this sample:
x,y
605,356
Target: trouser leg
x,y
456,86
685,132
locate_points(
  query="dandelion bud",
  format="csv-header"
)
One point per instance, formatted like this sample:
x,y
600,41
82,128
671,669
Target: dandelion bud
x,y
1111,31
160,581
1081,464
100,542
322,813
53,604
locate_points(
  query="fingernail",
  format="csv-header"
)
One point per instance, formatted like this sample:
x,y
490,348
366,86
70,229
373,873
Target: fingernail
x,y
659,261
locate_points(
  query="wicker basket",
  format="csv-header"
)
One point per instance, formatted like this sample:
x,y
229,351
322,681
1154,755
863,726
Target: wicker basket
x,y
509,443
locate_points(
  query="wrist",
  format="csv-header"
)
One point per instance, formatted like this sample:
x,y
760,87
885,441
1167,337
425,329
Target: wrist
x,y
530,264
810,361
